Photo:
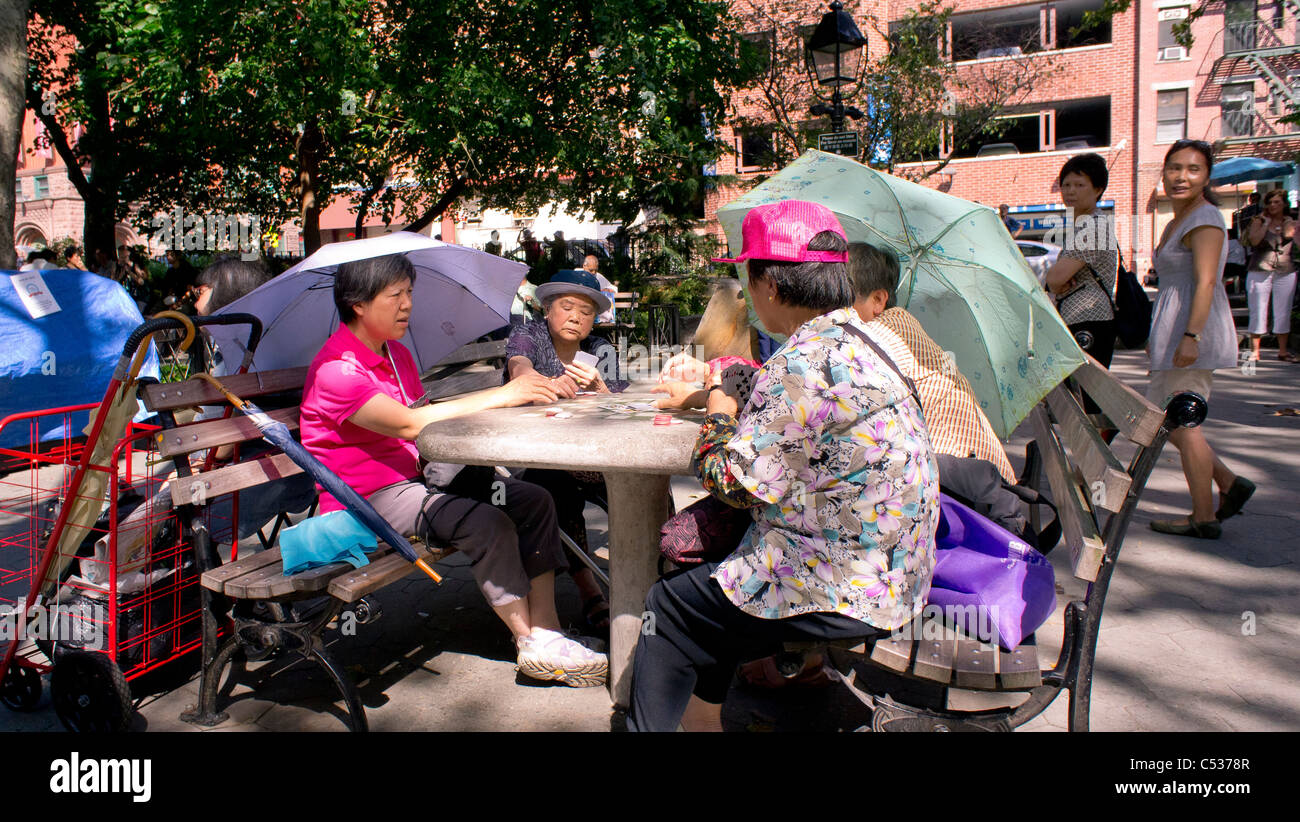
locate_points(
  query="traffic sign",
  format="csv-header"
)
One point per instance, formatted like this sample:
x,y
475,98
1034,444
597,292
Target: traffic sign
x,y
844,143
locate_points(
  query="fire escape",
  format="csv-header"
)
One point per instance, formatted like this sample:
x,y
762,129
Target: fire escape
x,y
1259,44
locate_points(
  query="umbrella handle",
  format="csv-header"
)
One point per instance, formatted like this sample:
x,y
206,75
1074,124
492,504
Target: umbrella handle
x,y
235,401
424,566
184,320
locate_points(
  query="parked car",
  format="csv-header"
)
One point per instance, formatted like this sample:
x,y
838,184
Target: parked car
x,y
1040,256
994,149
999,51
1076,143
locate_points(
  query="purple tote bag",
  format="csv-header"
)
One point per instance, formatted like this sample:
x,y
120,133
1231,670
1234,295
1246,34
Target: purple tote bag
x,y
987,581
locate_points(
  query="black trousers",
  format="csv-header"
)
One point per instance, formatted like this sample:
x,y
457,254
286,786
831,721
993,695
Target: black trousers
x,y
1098,339
693,637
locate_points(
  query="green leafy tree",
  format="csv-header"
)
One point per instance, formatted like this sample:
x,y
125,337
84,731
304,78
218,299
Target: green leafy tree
x,y
912,98
275,108
604,106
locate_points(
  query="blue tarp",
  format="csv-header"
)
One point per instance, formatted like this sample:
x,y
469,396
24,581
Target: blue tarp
x,y
64,358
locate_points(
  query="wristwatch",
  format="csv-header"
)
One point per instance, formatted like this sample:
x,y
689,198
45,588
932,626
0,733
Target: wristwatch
x,y
1195,337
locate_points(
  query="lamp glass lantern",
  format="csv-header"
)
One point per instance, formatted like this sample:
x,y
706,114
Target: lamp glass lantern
x,y
834,51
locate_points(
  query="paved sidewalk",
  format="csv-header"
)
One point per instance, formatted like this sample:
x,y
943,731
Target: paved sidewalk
x,y
1172,653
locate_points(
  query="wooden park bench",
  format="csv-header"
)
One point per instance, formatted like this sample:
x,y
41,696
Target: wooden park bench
x,y
268,611
907,678
625,305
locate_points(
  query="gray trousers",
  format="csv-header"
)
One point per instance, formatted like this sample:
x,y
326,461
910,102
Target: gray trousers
x,y
508,544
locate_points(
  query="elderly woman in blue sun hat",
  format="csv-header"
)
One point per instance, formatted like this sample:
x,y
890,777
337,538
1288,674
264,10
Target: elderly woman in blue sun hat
x,y
830,455
561,346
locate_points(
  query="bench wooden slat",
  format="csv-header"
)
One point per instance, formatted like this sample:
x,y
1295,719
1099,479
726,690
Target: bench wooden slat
x,y
464,382
216,579
894,654
473,352
1018,668
1078,526
231,478
934,658
1089,451
358,582
975,665
1129,410
269,582
213,433
171,396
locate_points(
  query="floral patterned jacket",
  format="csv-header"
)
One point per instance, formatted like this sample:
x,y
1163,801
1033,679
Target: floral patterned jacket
x,y
831,453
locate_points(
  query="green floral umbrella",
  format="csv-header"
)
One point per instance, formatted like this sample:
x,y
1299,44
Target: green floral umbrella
x,y
962,276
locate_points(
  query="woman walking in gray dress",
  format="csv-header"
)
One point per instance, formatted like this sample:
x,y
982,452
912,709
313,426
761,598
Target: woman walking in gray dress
x,y
1192,332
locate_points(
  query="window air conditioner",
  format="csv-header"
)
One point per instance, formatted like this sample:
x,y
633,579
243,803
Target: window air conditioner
x,y
1173,53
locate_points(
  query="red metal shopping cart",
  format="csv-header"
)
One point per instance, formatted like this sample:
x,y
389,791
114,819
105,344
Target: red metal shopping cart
x,y
99,570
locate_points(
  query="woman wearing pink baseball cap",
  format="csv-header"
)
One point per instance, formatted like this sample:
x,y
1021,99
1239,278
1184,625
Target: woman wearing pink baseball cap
x,y
831,458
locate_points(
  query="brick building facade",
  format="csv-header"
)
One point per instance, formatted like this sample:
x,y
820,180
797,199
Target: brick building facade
x,y
1125,91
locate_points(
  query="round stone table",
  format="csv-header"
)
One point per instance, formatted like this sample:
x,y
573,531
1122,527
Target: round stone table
x,y
601,434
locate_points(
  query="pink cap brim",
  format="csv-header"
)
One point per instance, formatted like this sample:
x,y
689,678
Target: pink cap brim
x,y
805,257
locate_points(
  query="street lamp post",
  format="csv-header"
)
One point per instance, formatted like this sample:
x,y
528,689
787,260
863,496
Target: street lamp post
x,y
833,57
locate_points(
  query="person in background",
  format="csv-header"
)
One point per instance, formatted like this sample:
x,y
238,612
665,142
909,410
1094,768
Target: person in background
x,y
72,258
1013,225
180,278
493,245
1192,333
105,265
559,253
532,247
1241,217
1083,276
133,274
591,265
363,404
1234,268
1271,274
38,261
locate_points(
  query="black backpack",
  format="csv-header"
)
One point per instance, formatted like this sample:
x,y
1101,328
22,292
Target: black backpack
x,y
1131,305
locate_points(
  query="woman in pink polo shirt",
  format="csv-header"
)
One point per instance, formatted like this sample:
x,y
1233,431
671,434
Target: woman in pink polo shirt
x,y
363,405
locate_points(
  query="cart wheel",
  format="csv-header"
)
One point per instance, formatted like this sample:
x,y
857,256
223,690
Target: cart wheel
x,y
90,693
21,689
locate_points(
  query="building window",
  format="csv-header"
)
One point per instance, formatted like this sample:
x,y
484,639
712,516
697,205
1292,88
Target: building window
x,y
1167,47
1069,125
19,196
1237,109
996,33
762,48
1083,124
1070,31
42,186
754,150
1239,25
1171,115
922,31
